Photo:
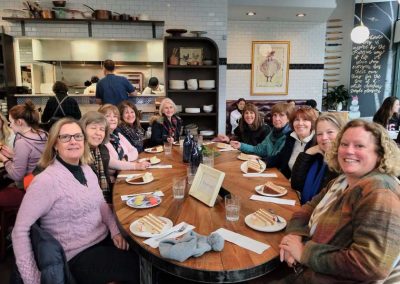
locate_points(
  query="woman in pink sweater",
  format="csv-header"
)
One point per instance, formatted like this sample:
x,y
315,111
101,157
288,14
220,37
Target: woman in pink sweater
x,y
123,155
67,199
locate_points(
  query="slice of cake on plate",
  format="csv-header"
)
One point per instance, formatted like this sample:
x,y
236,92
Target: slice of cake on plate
x,y
271,188
253,166
146,177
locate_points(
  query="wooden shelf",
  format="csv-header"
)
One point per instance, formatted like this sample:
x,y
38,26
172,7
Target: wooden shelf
x,y
197,114
192,91
192,66
89,22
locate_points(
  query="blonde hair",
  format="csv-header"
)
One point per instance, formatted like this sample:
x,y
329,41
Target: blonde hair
x,y
95,117
109,107
334,119
385,148
50,152
5,131
162,105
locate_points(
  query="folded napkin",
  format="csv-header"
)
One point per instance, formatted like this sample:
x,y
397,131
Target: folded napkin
x,y
227,149
242,241
191,244
160,167
273,200
157,193
260,175
127,175
154,241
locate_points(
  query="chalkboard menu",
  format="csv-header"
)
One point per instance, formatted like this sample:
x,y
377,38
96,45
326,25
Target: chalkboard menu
x,y
373,61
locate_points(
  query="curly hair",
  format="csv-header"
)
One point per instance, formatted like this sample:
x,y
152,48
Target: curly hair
x,y
258,121
386,148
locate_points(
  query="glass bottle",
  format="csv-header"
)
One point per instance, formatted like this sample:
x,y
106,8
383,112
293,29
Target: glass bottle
x,y
187,147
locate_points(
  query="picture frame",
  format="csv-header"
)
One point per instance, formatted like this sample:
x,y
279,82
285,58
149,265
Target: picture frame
x,y
270,67
206,184
190,55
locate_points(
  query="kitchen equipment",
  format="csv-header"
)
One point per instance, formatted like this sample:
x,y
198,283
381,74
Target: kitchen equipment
x,y
121,17
192,84
176,32
100,14
47,14
208,108
174,58
14,13
207,84
59,3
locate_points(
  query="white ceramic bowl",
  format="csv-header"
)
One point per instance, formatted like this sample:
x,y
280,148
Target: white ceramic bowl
x,y
208,108
176,84
207,132
178,108
207,84
192,110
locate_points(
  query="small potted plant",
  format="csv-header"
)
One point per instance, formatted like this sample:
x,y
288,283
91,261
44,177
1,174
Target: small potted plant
x,y
335,98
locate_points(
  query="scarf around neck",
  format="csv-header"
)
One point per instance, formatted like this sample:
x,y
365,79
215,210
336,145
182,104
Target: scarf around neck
x,y
98,168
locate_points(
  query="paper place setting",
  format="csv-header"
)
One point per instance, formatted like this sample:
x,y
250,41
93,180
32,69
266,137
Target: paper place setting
x,y
176,231
270,175
273,200
242,241
127,175
227,149
160,167
127,196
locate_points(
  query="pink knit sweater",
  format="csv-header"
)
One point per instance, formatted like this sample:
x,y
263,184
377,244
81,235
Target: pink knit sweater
x,y
75,214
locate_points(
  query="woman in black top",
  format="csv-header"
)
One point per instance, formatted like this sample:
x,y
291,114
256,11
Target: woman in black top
x,y
167,127
388,111
59,106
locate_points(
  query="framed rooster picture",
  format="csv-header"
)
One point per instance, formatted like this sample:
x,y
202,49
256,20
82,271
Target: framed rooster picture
x,y
270,67
190,56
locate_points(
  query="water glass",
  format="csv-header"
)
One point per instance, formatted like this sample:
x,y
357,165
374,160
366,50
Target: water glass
x,y
181,139
178,187
232,207
167,148
191,172
200,140
208,160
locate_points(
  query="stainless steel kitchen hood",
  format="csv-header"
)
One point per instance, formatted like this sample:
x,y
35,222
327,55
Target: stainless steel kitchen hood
x,y
97,50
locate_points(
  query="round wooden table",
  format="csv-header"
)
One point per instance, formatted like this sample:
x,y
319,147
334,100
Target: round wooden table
x,y
234,263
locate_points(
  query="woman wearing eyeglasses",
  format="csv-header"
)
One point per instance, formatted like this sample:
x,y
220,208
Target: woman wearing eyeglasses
x,y
28,147
67,199
302,121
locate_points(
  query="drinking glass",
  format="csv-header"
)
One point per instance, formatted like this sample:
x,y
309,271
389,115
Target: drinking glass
x,y
178,187
232,207
191,172
167,148
181,139
208,160
200,140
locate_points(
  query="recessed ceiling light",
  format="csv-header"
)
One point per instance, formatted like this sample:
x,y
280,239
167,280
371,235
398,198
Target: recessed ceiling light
x,y
300,15
251,13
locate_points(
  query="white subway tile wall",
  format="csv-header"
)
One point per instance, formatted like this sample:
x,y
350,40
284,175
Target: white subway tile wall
x,y
307,47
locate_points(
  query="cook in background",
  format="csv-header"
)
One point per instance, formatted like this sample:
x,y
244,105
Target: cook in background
x,y
59,106
113,89
153,87
92,88
130,124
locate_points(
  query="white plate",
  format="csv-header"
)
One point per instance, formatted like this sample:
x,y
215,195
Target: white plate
x,y
273,228
259,189
137,183
150,150
134,228
243,167
221,145
145,204
254,157
148,159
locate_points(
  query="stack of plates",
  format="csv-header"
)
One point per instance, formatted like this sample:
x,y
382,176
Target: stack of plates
x,y
177,84
207,84
192,110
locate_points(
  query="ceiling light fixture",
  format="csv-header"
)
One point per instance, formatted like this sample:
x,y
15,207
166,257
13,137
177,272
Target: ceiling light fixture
x,y
360,33
303,15
251,13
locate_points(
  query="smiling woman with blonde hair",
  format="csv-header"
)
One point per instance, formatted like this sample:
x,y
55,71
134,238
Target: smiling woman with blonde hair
x,y
7,135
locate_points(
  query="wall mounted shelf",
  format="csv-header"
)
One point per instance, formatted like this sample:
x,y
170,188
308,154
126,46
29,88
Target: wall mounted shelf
x,y
89,22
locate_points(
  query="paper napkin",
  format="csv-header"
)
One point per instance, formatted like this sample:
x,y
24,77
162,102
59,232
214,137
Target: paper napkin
x,y
273,200
160,167
242,241
271,175
154,241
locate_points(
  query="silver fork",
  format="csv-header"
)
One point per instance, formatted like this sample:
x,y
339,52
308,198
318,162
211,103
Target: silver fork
x,y
181,229
277,217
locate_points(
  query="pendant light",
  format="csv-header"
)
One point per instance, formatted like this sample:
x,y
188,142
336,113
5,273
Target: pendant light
x,y
360,33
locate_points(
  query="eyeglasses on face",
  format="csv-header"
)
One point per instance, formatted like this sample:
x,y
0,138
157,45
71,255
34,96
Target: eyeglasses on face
x,y
64,138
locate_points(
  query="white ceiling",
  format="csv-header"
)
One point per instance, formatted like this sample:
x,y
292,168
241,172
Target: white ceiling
x,y
281,10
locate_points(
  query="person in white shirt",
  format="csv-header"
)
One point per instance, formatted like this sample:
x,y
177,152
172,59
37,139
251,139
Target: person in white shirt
x,y
237,113
153,87
92,88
